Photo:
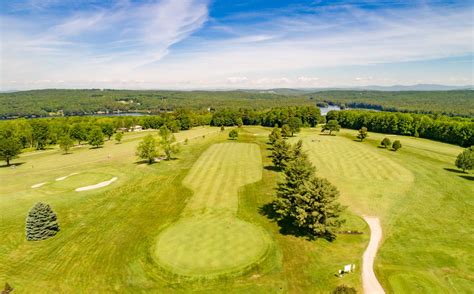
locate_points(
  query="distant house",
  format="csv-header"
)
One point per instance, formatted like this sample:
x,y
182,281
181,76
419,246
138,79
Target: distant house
x,y
136,128
123,129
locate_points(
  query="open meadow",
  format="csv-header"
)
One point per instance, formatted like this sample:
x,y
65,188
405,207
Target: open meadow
x,y
198,222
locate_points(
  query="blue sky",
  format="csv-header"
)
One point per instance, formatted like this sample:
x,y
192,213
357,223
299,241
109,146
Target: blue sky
x,y
199,44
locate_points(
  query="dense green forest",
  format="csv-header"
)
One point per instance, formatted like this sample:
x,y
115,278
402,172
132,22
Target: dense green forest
x,y
452,103
44,103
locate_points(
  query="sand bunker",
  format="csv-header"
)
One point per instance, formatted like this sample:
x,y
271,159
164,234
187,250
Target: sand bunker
x,y
96,186
38,185
65,177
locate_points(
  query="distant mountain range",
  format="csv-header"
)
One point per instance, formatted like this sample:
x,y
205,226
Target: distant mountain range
x,y
417,87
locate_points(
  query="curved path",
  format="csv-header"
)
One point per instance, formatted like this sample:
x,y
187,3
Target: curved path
x,y
369,280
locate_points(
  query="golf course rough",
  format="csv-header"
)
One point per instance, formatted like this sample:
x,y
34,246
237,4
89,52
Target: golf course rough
x,y
209,240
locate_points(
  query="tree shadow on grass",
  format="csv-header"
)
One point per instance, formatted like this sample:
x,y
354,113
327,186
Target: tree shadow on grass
x,y
286,225
454,170
469,178
12,165
272,168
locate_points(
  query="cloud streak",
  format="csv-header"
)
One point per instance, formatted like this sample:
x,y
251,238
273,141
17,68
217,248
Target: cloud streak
x,y
176,44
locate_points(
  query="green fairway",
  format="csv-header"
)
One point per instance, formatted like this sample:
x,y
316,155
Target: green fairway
x,y
203,213
209,239
420,200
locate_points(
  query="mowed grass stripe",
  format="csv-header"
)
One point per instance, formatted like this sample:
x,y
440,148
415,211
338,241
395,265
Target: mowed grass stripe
x,y
209,239
218,174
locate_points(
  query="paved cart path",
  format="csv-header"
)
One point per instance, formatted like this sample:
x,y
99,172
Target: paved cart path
x,y
369,280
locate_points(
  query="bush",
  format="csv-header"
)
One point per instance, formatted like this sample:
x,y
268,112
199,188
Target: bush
x,y
396,145
233,134
41,223
386,142
343,289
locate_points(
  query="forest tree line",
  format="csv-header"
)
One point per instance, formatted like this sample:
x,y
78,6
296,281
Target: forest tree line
x,y
60,102
453,130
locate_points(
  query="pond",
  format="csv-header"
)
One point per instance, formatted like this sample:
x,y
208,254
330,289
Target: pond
x,y
325,110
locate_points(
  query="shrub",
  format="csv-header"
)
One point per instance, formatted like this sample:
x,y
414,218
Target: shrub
x,y
386,142
396,145
343,289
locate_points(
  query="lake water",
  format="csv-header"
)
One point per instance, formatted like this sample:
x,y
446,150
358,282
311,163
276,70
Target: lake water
x,y
120,114
325,110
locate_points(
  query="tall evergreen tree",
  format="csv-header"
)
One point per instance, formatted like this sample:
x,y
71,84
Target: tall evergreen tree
x,y
308,202
280,153
286,131
274,135
41,222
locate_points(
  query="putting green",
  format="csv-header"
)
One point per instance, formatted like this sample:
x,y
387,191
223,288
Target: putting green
x,y
209,239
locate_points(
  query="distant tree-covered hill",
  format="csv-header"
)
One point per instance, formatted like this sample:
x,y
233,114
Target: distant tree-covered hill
x,y
56,102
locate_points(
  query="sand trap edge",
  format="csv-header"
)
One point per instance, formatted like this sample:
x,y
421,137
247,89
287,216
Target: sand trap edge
x,y
96,186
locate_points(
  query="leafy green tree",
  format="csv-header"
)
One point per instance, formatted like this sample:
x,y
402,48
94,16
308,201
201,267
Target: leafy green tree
x,y
222,128
233,134
78,132
295,124
40,133
386,142
362,134
286,131
108,129
65,143
118,137
41,222
280,153
10,147
396,145
96,137
274,135
465,159
147,149
239,122
167,142
331,126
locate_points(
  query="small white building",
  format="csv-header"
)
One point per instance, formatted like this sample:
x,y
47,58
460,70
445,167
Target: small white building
x,y
136,128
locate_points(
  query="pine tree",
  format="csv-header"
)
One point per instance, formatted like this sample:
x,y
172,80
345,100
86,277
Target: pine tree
x,y
41,223
280,153
274,135
286,131
307,201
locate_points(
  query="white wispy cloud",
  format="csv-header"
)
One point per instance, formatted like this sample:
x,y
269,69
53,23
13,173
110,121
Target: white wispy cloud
x,y
132,46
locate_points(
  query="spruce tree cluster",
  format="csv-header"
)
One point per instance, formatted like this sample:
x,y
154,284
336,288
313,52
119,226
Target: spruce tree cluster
x,y
305,201
41,222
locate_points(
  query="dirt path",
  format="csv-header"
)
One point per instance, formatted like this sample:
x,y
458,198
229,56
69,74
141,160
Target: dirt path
x,y
369,280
